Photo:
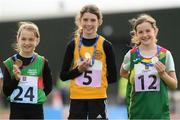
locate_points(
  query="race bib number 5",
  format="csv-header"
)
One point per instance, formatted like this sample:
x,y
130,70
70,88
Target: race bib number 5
x,y
92,77
26,91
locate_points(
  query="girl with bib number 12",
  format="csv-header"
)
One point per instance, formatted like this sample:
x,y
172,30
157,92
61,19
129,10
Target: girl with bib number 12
x,y
27,76
89,64
150,71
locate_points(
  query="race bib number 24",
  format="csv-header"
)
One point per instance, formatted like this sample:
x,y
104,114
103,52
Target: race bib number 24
x,y
26,91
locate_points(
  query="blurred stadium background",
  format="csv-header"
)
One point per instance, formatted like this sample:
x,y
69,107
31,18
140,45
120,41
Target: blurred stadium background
x,y
55,19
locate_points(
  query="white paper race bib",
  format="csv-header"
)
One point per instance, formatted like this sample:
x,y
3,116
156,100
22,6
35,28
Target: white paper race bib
x,y
146,79
92,77
26,91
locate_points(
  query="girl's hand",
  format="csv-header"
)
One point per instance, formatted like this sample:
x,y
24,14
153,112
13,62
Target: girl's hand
x,y
168,77
17,72
84,65
160,67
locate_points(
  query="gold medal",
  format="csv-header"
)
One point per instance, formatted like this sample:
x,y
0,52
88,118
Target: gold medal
x,y
154,60
18,62
87,55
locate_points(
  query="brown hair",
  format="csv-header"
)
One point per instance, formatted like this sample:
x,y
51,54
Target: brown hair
x,y
87,8
136,21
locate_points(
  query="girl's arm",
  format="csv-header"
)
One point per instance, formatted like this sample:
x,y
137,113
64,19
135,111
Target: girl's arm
x,y
169,77
123,73
47,78
110,61
125,67
66,72
9,84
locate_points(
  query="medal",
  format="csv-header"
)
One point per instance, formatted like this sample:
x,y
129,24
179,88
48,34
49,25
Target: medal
x,y
87,55
18,62
154,60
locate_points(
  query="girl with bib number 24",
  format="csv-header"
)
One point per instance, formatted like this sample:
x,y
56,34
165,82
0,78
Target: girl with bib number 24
x,y
27,76
89,63
150,71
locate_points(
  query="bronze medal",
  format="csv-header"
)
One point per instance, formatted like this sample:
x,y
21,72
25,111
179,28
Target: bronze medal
x,y
18,62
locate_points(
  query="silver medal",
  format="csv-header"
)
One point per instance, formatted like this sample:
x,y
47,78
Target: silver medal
x,y
154,60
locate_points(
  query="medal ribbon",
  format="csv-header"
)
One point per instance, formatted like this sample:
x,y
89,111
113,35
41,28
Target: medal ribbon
x,y
145,63
32,59
94,52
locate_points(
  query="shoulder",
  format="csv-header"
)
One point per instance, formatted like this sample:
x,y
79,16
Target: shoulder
x,y
42,58
168,54
71,44
162,49
10,59
128,54
105,41
133,50
107,47
164,52
8,63
107,44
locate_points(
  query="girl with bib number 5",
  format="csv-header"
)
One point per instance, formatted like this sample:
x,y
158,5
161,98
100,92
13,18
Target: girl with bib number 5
x,y
150,71
27,76
89,63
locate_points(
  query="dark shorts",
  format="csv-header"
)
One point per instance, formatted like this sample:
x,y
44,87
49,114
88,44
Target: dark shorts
x,y
26,111
87,109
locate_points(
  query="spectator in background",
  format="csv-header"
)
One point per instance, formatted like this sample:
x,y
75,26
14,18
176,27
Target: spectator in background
x,y
89,64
